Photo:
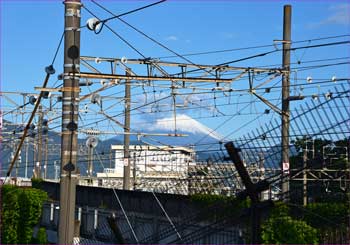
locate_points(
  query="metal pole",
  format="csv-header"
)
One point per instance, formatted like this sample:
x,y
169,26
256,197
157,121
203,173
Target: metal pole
x,y
40,142
90,160
18,162
287,14
70,107
126,179
46,154
49,71
56,169
305,175
13,152
34,156
26,167
134,170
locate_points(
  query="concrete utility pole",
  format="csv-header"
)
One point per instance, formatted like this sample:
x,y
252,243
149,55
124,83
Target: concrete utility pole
x,y
287,17
70,107
126,179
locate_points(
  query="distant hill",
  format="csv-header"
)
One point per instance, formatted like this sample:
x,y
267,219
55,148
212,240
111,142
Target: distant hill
x,y
202,139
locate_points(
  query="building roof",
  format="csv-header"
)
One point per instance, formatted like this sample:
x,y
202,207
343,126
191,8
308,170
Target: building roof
x,y
154,148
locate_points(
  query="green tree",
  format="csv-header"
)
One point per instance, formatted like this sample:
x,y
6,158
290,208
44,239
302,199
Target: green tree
x,y
331,213
281,228
9,214
31,204
286,230
21,210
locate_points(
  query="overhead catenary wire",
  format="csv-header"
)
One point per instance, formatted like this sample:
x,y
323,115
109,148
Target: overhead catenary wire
x,y
119,36
270,52
132,109
300,84
119,202
166,152
251,47
308,46
324,131
294,118
49,71
58,48
126,13
145,35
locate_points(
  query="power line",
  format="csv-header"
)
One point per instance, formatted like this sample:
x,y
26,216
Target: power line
x,y
115,33
270,52
58,48
320,66
231,103
145,35
249,48
294,118
103,22
298,63
152,102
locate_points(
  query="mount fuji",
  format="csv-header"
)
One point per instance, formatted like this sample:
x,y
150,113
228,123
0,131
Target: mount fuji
x,y
195,134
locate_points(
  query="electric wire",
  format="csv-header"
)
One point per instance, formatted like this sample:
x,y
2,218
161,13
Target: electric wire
x,y
270,52
126,13
252,47
145,35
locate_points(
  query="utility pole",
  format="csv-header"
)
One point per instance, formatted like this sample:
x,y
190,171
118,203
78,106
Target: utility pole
x,y
90,162
287,17
134,169
40,142
126,179
13,152
26,166
305,158
46,154
18,162
45,132
261,166
34,156
70,107
56,169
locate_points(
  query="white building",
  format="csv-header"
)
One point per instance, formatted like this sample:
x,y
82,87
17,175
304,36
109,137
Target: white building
x,y
154,167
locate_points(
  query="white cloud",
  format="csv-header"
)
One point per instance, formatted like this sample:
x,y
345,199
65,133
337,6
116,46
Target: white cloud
x,y
339,15
185,124
172,38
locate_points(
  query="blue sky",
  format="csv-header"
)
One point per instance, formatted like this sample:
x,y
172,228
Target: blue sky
x,y
30,31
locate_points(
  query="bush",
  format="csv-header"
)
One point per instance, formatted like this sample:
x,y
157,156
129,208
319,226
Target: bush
x,y
21,211
280,228
330,213
285,230
9,214
30,213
